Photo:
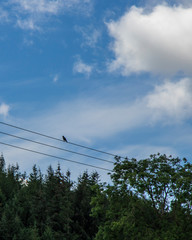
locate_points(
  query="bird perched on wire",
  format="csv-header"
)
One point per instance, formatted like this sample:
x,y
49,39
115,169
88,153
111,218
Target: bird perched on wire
x,y
64,139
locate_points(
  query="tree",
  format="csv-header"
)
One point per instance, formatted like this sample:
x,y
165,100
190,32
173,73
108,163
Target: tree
x,y
10,223
149,199
160,179
59,203
35,196
84,225
2,163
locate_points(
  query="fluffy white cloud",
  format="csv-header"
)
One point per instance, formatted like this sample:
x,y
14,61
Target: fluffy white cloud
x,y
81,67
4,109
159,41
171,100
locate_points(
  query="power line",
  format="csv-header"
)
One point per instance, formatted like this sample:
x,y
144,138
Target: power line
x,y
47,136
61,158
63,149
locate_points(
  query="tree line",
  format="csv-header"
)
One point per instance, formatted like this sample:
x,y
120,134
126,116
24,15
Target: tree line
x,y
148,199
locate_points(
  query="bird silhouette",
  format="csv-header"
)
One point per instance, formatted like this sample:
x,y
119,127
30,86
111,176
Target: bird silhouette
x,y
64,139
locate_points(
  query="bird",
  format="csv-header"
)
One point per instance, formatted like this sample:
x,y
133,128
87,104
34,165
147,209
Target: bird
x,y
64,139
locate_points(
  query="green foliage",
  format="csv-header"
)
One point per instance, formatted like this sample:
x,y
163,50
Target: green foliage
x,y
59,211
149,199
45,207
83,223
48,234
160,179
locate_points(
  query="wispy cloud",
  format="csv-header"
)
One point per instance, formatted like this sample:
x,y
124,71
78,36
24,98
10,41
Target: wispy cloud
x,y
89,118
39,6
27,24
31,15
49,6
159,41
81,67
89,34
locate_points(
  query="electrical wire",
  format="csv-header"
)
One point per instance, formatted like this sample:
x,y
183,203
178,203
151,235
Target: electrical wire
x,y
63,149
53,156
47,136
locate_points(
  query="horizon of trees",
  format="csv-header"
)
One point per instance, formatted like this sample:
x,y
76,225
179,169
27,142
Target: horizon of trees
x,y
148,199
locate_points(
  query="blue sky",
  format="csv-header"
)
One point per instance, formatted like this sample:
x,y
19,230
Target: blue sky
x,y
112,75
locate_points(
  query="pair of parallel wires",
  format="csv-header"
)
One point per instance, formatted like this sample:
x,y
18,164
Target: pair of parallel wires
x,y
58,148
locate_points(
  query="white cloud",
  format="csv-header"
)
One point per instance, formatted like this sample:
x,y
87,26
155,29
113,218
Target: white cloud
x,y
27,24
39,6
88,119
81,67
171,100
4,109
159,41
168,103
30,15
91,119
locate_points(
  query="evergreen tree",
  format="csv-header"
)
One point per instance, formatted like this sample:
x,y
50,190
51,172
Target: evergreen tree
x,y
149,199
10,223
59,206
84,225
37,200
2,163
